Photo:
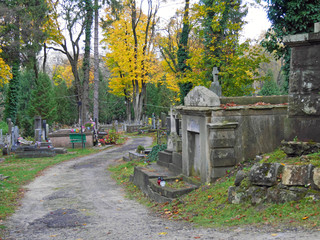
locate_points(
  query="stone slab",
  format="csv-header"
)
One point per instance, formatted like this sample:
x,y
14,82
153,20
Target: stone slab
x,y
218,172
294,175
316,177
165,158
142,175
60,150
36,153
202,97
170,192
265,174
222,157
136,156
222,138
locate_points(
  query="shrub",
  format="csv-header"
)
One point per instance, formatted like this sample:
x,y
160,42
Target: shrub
x,y
112,136
153,155
4,127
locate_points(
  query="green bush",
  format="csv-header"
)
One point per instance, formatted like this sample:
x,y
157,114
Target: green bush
x,y
153,155
4,127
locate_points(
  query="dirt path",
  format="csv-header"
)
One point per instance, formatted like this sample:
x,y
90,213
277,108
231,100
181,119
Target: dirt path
x,y
78,200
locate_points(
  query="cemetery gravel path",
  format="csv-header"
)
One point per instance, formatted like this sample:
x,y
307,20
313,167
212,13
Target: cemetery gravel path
x,y
78,200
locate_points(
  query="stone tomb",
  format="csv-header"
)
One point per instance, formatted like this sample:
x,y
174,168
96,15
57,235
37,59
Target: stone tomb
x,y
216,137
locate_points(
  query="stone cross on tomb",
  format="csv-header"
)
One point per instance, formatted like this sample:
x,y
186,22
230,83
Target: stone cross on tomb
x,y
215,86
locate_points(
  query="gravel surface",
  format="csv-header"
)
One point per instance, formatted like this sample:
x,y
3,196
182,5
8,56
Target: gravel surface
x,y
78,200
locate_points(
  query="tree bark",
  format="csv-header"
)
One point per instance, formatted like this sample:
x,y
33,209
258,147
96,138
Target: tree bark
x,y
86,60
96,63
139,89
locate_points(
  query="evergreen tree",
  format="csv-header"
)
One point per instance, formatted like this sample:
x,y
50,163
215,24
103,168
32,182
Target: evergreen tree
x,y
11,104
42,101
158,99
66,104
24,121
270,87
111,106
182,54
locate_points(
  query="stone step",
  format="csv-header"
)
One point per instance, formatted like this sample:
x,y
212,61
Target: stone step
x,y
168,192
60,150
136,156
142,175
165,158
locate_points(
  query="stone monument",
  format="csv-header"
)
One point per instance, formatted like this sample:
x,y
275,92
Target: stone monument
x,y
304,85
215,86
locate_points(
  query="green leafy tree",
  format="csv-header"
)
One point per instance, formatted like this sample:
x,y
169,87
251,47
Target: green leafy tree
x,y
43,102
288,18
222,23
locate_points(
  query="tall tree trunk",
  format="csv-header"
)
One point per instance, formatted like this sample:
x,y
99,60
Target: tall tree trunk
x,y
44,58
128,108
138,103
86,61
96,63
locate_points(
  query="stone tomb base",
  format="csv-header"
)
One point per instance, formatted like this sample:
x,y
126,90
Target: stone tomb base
x,y
146,179
35,153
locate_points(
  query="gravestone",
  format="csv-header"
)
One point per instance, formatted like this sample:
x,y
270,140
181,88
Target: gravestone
x,y
37,129
44,130
1,139
153,121
163,118
215,86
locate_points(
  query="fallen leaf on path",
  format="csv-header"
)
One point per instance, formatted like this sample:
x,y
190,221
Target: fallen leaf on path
x,y
53,235
163,233
274,234
304,218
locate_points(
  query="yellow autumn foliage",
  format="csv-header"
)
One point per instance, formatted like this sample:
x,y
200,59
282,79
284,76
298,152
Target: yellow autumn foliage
x,y
5,74
126,64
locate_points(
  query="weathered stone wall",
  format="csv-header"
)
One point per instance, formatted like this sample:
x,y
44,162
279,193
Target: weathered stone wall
x,y
260,128
278,183
304,87
254,100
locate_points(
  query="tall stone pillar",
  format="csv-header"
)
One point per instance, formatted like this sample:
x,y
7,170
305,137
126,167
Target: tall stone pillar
x,y
304,87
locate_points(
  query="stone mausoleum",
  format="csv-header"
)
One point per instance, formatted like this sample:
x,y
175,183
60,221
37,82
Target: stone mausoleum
x,y
219,132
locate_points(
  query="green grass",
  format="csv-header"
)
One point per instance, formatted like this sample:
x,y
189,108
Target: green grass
x,y
22,171
278,156
121,173
208,206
